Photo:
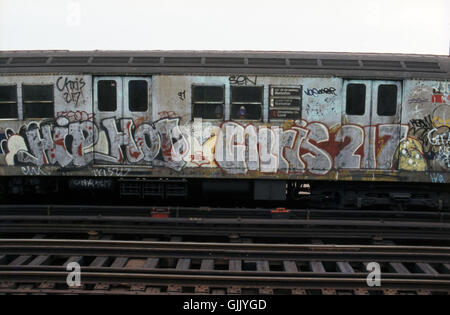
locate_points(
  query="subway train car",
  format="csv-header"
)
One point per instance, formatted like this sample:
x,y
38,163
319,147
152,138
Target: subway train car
x,y
333,129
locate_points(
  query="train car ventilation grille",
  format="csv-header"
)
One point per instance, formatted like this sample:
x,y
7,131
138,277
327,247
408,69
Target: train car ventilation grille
x,y
421,65
224,60
267,61
382,64
70,60
340,63
110,60
182,60
143,60
29,60
303,62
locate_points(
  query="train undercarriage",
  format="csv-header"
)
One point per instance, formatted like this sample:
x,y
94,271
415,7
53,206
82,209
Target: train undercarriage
x,y
228,192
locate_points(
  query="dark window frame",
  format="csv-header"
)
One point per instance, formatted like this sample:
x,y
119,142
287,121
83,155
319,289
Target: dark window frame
x,y
146,95
246,103
194,102
388,112
347,103
36,102
98,95
11,103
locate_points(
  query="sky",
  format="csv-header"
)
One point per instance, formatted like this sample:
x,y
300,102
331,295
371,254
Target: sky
x,y
381,26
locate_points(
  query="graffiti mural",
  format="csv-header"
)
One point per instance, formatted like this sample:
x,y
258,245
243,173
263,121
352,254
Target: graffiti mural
x,y
66,143
302,147
429,140
314,142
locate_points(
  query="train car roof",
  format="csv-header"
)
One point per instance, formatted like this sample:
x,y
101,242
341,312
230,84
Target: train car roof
x,y
352,65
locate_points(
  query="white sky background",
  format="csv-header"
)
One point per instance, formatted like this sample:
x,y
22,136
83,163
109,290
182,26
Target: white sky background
x,y
393,26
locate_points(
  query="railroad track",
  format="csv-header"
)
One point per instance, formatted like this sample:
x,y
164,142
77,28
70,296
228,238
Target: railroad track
x,y
221,250
215,212
38,266
267,230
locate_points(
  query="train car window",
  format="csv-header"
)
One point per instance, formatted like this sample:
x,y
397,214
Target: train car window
x,y
38,101
138,95
387,100
8,101
208,102
107,95
356,99
246,102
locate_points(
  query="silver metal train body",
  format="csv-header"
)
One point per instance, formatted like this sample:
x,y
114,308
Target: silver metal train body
x,y
279,117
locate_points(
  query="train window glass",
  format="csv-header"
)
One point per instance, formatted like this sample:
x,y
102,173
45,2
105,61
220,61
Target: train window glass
x,y
246,102
138,95
8,101
208,102
356,99
38,101
387,100
107,95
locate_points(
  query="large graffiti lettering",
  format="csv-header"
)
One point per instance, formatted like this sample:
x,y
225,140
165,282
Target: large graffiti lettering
x,y
304,148
299,148
77,144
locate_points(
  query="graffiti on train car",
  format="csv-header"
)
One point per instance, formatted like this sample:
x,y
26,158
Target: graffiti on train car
x,y
76,115
315,91
296,148
243,80
66,143
441,93
305,147
76,139
72,89
429,139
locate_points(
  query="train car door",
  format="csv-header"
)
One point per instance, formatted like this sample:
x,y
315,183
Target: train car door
x,y
356,116
121,104
371,119
386,129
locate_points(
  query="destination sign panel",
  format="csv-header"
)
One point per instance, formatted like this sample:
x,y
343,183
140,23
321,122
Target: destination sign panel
x,y
276,102
285,102
284,114
277,91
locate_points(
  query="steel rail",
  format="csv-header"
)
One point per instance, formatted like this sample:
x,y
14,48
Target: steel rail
x,y
199,211
242,231
212,245
272,235
274,228
225,280
234,221
378,253
252,273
